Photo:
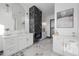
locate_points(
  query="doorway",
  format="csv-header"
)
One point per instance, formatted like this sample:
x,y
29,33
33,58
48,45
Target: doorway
x,y
52,22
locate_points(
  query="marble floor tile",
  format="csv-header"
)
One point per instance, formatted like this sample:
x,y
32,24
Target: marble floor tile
x,y
42,48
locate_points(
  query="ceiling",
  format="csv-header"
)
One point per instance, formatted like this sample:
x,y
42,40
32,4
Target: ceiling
x,y
46,8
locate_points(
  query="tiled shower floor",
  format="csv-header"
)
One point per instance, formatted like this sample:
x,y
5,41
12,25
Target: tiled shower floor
x,y
42,48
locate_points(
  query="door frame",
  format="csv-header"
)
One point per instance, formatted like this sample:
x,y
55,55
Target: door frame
x,y
50,27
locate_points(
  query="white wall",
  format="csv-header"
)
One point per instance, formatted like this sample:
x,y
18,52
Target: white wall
x,y
64,6
10,14
27,23
18,15
7,20
77,19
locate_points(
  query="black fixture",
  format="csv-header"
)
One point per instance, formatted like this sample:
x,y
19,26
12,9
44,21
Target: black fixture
x,y
1,52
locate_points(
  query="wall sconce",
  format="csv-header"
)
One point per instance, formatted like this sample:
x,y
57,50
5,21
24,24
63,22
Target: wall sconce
x,y
7,5
27,13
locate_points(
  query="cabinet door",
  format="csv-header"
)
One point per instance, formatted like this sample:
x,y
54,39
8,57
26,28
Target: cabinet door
x,y
58,45
10,46
29,39
11,50
70,46
9,42
22,43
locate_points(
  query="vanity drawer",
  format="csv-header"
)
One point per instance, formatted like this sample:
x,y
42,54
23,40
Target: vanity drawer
x,y
9,42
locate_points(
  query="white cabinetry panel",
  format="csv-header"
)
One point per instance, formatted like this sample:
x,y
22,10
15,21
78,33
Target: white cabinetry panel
x,y
58,45
15,43
65,45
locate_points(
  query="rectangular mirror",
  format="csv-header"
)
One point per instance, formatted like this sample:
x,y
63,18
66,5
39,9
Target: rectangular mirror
x,y
65,19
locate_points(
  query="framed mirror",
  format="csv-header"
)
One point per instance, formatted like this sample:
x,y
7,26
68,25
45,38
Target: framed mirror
x,y
65,18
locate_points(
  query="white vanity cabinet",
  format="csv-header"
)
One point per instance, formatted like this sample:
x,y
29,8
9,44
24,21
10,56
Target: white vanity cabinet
x,y
29,39
58,44
16,42
70,45
65,45
25,41
10,45
22,42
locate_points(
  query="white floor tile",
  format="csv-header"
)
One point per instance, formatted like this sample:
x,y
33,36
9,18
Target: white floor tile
x,y
42,48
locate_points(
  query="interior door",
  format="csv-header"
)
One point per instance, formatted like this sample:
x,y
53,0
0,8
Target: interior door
x,y
51,27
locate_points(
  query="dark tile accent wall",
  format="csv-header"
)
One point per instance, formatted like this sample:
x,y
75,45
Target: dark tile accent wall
x,y
35,22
